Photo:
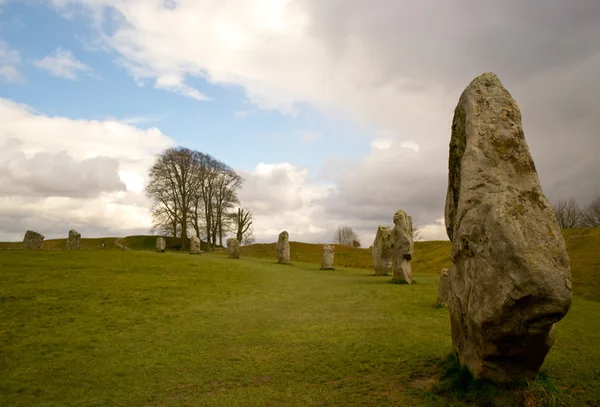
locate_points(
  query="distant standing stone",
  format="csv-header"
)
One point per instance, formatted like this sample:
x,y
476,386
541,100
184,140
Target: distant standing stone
x,y
73,241
382,251
195,245
327,259
161,244
233,247
403,247
443,288
283,248
32,240
510,280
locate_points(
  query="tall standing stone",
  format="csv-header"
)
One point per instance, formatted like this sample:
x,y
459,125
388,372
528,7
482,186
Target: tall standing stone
x,y
194,245
510,280
233,248
403,247
443,288
73,241
32,240
283,248
382,251
161,244
327,259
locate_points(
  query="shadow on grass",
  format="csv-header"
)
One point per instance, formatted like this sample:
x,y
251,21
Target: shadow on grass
x,y
457,386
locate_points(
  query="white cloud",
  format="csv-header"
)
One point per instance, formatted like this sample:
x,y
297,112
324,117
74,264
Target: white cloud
x,y
57,172
9,59
309,136
381,143
63,65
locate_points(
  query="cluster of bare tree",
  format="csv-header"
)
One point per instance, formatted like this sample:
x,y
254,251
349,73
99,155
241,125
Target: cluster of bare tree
x,y
346,236
194,193
570,215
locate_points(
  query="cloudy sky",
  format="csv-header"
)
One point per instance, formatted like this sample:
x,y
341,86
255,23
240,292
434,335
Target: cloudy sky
x,y
336,112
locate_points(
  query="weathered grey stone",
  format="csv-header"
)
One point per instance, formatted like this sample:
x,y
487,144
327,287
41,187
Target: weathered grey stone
x,y
283,248
161,244
194,245
403,247
382,251
510,280
327,259
73,241
233,247
443,288
32,240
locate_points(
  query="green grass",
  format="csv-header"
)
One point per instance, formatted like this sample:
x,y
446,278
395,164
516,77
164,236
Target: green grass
x,y
139,328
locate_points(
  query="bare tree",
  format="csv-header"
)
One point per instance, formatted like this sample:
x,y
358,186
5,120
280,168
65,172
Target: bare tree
x,y
344,235
592,213
248,237
243,221
568,214
172,185
227,184
416,234
356,242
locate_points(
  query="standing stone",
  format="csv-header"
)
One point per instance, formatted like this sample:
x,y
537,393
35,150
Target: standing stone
x,y
510,280
403,248
195,245
73,241
443,288
283,248
233,247
32,240
161,244
382,251
327,259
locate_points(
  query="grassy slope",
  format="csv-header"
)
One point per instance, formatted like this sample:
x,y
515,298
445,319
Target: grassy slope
x,y
140,328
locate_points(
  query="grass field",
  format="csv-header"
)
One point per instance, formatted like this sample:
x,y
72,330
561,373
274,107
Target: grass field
x,y
138,328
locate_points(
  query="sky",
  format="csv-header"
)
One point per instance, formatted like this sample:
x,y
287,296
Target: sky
x,y
336,113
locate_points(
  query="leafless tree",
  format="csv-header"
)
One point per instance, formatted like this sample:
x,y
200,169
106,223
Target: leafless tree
x,y
227,184
592,213
344,235
172,185
248,237
416,234
243,222
568,214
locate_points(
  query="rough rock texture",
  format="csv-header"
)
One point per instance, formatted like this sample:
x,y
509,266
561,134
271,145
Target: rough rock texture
x,y
161,244
73,241
443,288
283,248
403,247
510,279
32,240
194,245
382,251
233,248
327,259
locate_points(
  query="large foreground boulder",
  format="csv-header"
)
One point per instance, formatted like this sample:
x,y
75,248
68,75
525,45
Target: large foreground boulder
x,y
510,280
74,239
443,288
195,245
403,247
32,240
283,248
233,248
161,244
382,251
327,259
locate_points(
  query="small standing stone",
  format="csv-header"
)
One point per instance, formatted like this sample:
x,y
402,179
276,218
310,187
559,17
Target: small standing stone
x,y
403,248
327,259
443,288
195,245
161,244
382,251
73,242
32,240
233,247
283,248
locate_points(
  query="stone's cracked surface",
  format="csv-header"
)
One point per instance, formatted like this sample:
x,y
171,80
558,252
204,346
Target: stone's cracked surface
x,y
382,251
403,247
283,248
233,248
327,258
32,240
